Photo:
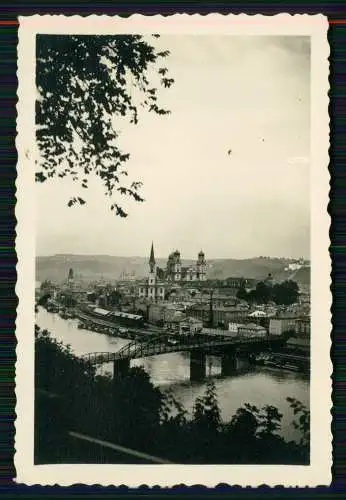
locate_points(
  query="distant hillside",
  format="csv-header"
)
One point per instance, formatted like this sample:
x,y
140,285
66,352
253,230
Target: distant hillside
x,y
257,268
89,267
302,276
93,267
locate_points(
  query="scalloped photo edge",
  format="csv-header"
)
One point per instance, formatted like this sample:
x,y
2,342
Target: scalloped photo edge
x,y
169,475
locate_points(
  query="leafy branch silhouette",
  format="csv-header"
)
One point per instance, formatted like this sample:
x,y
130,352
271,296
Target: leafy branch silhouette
x,y
83,83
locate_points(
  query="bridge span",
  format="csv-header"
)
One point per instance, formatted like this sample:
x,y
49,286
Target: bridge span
x,y
198,346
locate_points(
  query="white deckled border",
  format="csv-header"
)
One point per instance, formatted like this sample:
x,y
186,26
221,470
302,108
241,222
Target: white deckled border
x,y
319,472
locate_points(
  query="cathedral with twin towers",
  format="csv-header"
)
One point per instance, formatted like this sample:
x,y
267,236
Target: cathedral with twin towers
x,y
159,279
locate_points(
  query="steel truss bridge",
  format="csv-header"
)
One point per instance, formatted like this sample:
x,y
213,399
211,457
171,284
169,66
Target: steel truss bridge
x,y
160,344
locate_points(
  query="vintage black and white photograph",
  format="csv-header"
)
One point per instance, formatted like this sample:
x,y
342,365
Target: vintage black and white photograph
x,y
173,248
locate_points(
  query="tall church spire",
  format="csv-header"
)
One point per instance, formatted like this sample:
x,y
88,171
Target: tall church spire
x,y
152,262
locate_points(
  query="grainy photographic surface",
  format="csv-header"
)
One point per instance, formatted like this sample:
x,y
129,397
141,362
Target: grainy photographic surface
x,y
176,172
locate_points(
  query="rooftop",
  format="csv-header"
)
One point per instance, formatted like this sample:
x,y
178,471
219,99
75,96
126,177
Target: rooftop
x,y
205,307
253,326
120,314
258,314
103,312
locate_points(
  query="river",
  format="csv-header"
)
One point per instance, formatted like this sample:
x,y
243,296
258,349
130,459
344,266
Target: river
x,y
255,385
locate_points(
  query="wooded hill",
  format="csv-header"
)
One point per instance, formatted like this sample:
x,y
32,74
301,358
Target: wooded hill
x,y
93,267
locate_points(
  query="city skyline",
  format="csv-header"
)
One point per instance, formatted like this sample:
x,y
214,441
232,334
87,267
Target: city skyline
x,y
184,257
227,172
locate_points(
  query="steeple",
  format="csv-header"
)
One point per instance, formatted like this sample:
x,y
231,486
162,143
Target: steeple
x,y
70,279
152,262
201,257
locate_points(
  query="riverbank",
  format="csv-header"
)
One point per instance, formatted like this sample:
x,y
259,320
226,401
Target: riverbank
x,y
279,359
283,360
130,410
171,372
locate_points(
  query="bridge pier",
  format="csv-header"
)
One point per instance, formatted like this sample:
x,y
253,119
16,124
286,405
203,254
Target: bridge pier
x,y
120,368
197,365
228,364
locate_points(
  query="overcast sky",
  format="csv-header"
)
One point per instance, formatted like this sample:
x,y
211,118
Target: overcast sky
x,y
247,94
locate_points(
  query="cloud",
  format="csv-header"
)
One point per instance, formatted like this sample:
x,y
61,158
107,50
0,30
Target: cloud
x,y
295,160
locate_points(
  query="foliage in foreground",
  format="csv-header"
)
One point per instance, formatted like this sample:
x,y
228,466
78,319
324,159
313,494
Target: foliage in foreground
x,y
87,87
136,414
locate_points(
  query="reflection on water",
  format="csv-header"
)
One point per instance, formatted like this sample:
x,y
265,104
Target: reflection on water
x,y
257,385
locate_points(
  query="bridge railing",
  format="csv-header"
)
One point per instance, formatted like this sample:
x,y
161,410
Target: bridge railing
x,y
157,345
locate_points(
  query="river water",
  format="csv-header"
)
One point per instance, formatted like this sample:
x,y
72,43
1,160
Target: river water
x,y
255,385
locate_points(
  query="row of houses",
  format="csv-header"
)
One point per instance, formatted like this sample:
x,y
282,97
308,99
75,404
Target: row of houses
x,y
277,326
221,315
237,319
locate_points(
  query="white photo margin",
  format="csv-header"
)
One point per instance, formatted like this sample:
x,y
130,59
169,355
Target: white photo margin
x,y
319,470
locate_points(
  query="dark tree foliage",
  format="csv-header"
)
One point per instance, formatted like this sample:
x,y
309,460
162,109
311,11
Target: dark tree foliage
x,y
285,293
84,83
270,421
244,423
206,413
43,300
263,292
137,405
172,412
134,413
240,434
303,422
115,298
56,366
242,293
206,426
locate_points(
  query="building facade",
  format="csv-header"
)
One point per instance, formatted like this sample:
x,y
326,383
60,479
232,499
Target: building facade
x,y
152,288
278,326
218,315
233,327
303,327
251,330
176,272
158,281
